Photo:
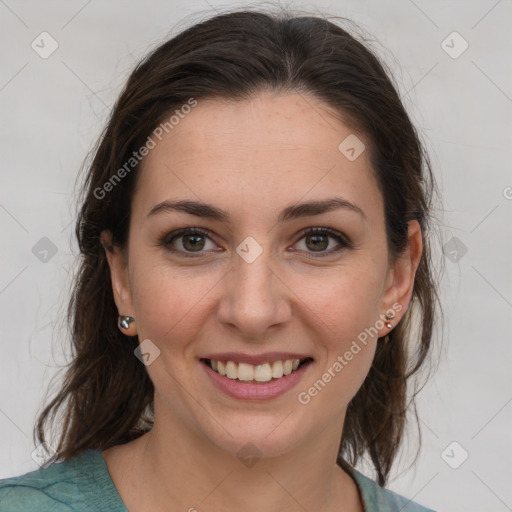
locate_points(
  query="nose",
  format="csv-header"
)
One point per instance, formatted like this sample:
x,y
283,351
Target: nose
x,y
255,298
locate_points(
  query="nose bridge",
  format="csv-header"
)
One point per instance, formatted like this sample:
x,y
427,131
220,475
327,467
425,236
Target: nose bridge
x,y
254,299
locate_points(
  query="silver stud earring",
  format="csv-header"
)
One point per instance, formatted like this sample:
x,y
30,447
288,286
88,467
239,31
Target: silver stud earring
x,y
389,316
125,321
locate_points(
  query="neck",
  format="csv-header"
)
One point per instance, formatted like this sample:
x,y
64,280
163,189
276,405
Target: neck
x,y
173,465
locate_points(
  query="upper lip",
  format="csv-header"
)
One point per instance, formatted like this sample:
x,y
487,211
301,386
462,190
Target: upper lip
x,y
268,357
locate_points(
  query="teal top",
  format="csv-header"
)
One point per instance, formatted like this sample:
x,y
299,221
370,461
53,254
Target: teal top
x,y
84,484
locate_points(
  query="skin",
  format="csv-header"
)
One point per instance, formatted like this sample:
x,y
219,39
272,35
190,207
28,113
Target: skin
x,y
252,158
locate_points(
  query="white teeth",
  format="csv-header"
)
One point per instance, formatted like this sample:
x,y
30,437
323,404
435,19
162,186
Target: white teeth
x,y
277,369
287,367
259,373
231,370
245,371
263,373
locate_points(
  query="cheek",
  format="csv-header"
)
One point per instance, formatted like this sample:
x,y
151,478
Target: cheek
x,y
344,300
348,347
349,300
348,318
169,303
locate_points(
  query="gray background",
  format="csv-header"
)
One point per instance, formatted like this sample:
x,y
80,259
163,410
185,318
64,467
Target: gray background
x,y
53,109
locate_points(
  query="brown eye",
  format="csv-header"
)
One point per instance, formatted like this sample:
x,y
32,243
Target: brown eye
x,y
186,242
323,241
317,242
193,242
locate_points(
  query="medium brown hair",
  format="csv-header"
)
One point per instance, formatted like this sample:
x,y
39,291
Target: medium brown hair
x,y
107,396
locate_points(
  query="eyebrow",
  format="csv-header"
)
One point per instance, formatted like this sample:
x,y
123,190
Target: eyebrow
x,y
295,211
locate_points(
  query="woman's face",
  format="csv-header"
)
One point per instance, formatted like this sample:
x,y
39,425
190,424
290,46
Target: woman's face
x,y
252,284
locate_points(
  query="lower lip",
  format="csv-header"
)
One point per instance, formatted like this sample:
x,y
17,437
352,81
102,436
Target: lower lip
x,y
261,391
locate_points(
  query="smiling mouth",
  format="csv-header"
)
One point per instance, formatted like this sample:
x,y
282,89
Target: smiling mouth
x,y
265,372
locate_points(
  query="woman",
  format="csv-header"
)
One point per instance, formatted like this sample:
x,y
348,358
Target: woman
x,y
254,248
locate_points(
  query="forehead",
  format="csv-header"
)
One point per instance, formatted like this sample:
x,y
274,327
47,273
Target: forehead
x,y
270,150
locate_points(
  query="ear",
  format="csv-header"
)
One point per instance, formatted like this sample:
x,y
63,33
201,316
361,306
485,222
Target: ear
x,y
121,288
401,275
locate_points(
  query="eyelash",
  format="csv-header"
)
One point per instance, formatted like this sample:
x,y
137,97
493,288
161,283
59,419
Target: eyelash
x,y
343,241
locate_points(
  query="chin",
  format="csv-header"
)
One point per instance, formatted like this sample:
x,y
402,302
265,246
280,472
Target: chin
x,y
258,436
